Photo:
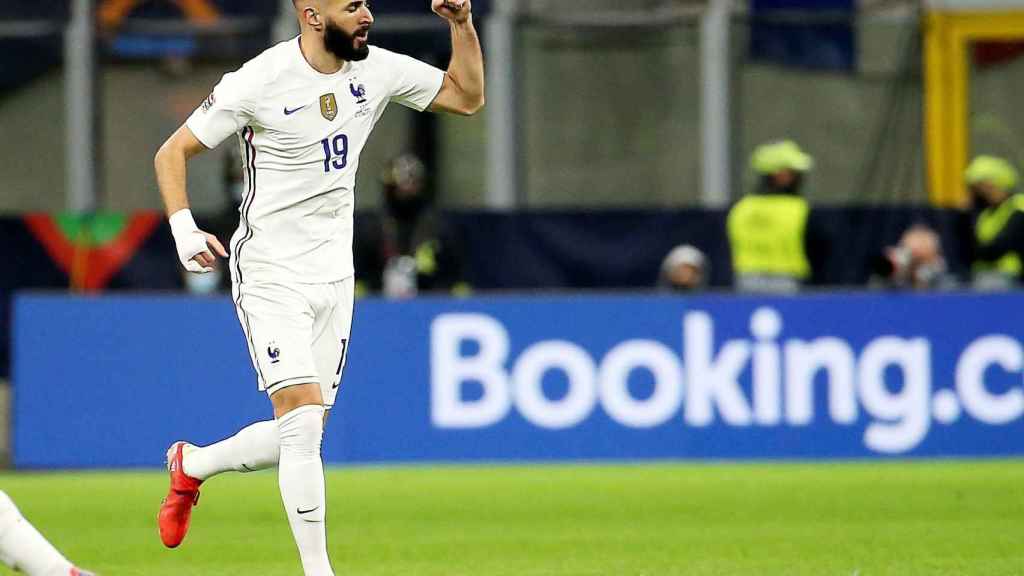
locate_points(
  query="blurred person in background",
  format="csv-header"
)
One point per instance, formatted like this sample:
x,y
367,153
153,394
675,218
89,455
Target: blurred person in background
x,y
411,249
915,263
775,242
24,549
684,269
999,229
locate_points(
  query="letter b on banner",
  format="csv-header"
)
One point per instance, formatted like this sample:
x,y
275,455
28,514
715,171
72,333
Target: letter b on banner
x,y
450,371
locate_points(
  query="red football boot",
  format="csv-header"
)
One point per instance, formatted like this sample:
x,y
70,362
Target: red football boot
x,y
176,510
79,572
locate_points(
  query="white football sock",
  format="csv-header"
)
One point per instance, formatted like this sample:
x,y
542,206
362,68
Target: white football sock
x,y
255,447
301,478
23,548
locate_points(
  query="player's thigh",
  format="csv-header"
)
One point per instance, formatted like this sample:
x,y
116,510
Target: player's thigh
x,y
331,347
277,322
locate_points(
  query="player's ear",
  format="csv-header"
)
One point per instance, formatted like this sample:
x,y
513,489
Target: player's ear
x,y
312,17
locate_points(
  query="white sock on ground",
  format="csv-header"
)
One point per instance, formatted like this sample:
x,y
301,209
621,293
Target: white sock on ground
x,y
301,478
255,447
23,548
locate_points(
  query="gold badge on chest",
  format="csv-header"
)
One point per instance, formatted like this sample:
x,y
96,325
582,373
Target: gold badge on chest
x,y
329,106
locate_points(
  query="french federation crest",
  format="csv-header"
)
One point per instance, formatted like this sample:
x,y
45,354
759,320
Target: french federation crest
x,y
358,91
329,106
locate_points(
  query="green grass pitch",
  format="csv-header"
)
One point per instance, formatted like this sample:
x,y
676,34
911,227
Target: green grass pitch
x,y
864,519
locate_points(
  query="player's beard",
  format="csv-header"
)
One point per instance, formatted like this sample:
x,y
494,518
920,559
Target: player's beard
x,y
343,44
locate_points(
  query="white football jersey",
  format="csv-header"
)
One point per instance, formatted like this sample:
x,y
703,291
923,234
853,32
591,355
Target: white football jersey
x,y
301,134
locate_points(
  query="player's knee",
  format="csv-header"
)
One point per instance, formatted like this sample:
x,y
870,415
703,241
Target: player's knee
x,y
301,431
289,399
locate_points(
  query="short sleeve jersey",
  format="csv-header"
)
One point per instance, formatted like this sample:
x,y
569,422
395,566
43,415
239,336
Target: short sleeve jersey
x,y
301,133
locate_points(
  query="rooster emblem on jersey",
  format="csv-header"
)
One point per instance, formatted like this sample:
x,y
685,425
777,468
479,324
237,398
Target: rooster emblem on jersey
x,y
359,92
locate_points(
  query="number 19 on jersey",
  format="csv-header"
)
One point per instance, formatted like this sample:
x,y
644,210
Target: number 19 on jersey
x,y
335,152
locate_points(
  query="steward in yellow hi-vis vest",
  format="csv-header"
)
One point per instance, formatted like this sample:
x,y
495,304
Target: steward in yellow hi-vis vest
x,y
768,229
999,230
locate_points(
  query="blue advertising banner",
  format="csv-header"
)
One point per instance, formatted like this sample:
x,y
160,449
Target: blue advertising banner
x,y
111,382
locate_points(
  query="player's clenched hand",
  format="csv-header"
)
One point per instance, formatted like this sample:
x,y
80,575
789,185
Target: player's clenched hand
x,y
195,247
457,11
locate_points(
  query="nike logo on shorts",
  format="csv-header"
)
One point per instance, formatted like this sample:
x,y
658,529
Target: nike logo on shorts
x,y
288,112
301,511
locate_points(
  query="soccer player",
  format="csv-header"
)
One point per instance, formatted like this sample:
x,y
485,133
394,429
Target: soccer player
x,y
302,112
23,548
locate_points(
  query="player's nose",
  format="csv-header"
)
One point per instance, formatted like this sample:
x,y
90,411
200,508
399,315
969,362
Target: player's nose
x,y
367,16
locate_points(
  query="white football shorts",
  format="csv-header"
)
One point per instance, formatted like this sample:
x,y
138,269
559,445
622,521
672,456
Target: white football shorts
x,y
297,333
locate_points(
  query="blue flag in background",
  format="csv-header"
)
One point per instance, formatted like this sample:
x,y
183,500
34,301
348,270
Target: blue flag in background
x,y
814,34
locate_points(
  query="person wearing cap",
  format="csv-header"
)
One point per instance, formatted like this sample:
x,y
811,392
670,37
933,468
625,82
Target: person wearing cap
x,y
770,231
999,229
684,269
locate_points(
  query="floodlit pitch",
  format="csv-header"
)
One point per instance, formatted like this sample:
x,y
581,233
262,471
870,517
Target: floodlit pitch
x,y
945,518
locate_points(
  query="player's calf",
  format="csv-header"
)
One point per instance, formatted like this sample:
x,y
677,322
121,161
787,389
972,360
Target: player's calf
x,y
253,448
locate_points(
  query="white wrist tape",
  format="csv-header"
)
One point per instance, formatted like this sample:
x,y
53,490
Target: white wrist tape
x,y
182,223
188,240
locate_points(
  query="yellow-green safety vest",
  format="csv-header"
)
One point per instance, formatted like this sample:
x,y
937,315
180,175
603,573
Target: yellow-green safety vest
x,y
766,233
990,224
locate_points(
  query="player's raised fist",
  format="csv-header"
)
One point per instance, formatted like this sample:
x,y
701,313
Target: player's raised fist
x,y
457,11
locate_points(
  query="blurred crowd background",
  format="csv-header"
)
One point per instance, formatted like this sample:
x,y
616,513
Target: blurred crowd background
x,y
769,146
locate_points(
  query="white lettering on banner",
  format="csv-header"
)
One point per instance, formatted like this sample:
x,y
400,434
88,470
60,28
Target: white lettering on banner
x,y
528,376
713,381
449,371
904,414
989,408
766,325
803,361
667,397
891,380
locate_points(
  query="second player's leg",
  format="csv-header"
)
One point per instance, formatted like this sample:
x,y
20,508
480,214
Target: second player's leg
x,y
24,549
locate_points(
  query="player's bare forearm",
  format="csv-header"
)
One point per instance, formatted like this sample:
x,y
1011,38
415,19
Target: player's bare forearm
x,y
463,88
170,164
467,66
195,248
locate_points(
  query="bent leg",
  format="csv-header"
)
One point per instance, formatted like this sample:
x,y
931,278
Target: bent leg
x,y
255,447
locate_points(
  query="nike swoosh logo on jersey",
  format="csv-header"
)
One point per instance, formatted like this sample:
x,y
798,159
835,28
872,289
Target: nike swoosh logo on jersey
x,y
288,112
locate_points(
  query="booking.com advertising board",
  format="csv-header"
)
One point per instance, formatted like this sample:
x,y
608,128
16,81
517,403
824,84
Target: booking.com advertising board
x,y
110,382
